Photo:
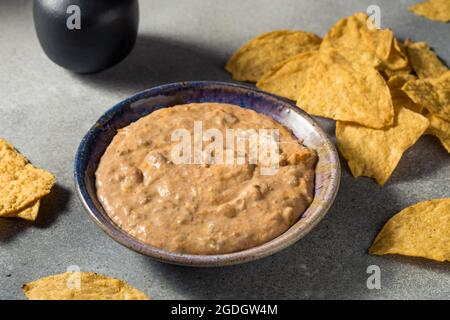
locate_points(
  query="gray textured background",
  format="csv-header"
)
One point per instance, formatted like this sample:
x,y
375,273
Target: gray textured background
x,y
45,110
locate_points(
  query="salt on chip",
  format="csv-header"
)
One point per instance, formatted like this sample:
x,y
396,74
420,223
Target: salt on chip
x,y
288,77
22,185
422,230
424,61
259,55
376,152
81,286
342,90
353,33
441,129
438,10
432,94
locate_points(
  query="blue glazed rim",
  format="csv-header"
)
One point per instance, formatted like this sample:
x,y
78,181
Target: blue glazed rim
x,y
93,144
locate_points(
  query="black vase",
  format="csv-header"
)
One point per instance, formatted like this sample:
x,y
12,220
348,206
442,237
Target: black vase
x,y
86,36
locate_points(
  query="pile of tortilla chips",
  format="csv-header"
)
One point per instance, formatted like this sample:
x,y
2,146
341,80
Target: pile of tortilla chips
x,y
81,286
422,230
384,93
437,10
21,185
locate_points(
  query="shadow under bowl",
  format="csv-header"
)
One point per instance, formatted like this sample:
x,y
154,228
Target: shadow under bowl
x,y
94,144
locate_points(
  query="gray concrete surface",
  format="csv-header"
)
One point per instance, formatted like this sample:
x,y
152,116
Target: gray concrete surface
x,y
45,110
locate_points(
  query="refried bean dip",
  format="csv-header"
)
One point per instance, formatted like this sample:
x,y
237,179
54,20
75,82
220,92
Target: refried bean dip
x,y
202,208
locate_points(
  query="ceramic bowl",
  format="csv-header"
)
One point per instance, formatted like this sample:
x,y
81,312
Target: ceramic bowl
x,y
95,142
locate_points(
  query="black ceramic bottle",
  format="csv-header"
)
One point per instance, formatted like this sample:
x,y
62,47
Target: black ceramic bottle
x,y
86,36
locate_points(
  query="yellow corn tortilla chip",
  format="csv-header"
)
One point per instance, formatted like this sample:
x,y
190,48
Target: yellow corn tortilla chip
x,y
441,129
399,79
286,78
353,33
398,58
395,83
390,73
21,183
376,152
401,99
81,286
422,230
401,50
259,55
29,213
23,188
424,61
339,89
10,159
432,94
437,10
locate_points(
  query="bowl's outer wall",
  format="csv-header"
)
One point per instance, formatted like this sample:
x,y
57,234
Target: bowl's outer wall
x,y
98,138
107,35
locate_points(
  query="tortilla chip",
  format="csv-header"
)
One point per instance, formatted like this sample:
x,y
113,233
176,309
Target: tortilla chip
x,y
259,55
23,187
22,184
287,77
399,79
437,10
401,99
398,58
353,33
390,73
424,61
422,230
339,89
376,152
92,286
10,159
433,94
441,129
395,83
29,213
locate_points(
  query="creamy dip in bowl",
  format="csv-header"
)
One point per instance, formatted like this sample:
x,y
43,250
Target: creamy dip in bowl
x,y
205,211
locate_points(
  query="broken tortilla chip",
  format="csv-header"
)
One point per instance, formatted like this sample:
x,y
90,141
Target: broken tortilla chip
x,y
81,286
339,89
437,10
422,230
403,100
353,33
22,184
397,59
259,55
398,80
29,213
395,83
10,158
390,73
432,94
23,187
424,61
441,129
376,152
288,77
